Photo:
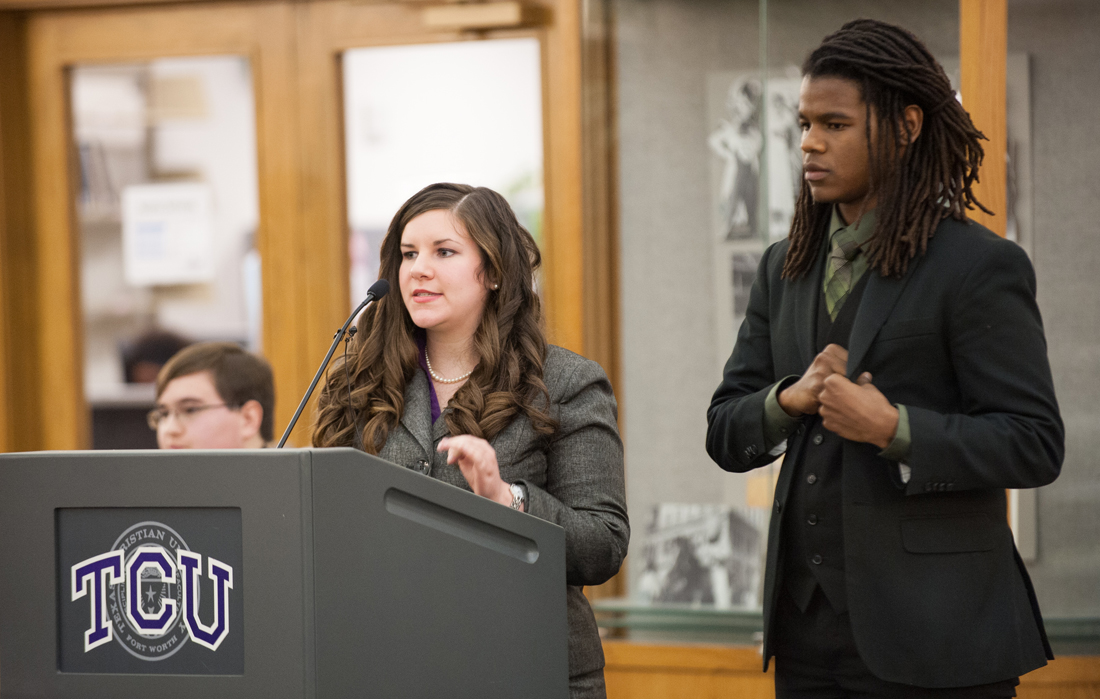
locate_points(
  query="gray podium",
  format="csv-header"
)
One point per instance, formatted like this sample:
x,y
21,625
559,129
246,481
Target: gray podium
x,y
270,573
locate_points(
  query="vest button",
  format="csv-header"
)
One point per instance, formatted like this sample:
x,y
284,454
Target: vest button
x,y
811,479
812,520
818,439
817,559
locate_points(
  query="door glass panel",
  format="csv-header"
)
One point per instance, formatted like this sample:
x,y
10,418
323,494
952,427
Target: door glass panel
x,y
467,112
1051,209
167,212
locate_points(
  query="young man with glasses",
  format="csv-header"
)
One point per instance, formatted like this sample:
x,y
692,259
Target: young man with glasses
x,y
213,396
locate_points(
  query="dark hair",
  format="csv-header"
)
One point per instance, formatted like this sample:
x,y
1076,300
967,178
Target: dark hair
x,y
509,341
239,377
150,350
917,186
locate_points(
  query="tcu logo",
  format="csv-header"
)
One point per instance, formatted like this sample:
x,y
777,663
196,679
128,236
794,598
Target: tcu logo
x,y
145,593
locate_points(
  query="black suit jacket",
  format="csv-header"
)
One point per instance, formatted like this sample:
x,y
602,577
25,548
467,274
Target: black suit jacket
x,y
937,594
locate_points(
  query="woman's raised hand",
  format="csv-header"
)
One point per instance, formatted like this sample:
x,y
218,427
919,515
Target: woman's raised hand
x,y
477,460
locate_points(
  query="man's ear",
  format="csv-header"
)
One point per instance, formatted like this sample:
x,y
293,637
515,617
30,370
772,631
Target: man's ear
x,y
252,415
912,121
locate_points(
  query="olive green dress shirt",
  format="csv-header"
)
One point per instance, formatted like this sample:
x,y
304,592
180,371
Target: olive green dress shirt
x,y
777,423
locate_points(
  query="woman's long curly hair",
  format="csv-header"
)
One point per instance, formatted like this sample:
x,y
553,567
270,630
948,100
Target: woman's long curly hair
x,y
509,341
917,186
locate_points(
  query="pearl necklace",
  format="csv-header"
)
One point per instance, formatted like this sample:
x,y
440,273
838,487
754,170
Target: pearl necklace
x,y
441,380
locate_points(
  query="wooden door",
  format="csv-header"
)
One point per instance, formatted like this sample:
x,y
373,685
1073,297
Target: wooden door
x,y
327,28
294,50
60,40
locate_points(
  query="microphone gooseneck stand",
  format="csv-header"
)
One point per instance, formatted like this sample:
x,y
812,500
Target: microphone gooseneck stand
x,y
376,291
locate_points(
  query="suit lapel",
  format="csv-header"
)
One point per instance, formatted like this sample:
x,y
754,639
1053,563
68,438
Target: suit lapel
x,y
805,290
439,428
879,299
418,412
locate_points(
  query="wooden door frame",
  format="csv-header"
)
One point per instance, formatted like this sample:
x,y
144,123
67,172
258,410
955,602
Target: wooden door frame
x,y
56,41
983,62
302,211
580,286
18,396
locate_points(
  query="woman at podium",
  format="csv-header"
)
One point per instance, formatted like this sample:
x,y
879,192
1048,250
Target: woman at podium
x,y
453,377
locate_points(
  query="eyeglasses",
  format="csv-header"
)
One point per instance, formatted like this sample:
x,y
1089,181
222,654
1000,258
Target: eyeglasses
x,y
183,414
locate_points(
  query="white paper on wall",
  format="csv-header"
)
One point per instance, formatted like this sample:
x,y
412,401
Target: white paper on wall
x,y
167,234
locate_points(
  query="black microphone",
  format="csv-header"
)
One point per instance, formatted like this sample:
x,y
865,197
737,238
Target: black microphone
x,y
376,291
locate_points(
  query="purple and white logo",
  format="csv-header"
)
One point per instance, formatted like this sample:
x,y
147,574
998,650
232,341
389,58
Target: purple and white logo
x,y
144,594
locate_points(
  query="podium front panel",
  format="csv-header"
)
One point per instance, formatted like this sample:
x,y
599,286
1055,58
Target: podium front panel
x,y
288,573
61,505
424,591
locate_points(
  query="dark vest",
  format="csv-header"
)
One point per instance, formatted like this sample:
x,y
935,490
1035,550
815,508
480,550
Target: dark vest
x,y
812,550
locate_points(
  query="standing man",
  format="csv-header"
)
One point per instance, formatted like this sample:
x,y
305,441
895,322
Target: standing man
x,y
894,350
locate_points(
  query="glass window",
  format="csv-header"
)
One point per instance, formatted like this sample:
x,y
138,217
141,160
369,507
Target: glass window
x,y
1052,54
467,112
168,213
709,164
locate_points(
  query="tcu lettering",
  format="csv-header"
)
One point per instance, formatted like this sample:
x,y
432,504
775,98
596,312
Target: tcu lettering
x,y
153,564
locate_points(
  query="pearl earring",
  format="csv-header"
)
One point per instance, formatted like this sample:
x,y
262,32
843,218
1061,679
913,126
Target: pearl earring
x,y
496,286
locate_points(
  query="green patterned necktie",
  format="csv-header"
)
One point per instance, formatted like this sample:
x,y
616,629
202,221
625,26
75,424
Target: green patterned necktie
x,y
838,274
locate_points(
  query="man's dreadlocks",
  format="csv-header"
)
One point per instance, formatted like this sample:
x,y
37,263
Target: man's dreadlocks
x,y
916,187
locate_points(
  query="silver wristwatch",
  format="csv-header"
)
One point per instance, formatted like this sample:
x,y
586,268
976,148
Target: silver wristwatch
x,y
518,496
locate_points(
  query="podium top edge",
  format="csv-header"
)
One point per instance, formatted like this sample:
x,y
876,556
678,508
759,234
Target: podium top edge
x,y
194,453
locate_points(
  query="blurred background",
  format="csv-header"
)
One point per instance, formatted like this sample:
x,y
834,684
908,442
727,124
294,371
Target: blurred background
x,y
173,172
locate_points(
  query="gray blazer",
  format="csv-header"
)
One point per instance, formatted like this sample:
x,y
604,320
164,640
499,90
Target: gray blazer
x,y
575,482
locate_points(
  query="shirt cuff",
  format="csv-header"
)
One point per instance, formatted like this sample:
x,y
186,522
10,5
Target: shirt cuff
x,y
778,426
898,449
904,472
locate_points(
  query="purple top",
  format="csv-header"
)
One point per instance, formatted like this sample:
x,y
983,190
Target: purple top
x,y
422,345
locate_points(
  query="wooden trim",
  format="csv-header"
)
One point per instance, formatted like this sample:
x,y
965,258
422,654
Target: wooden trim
x,y
21,363
76,4
282,241
58,40
564,166
295,50
637,670
16,357
323,211
983,47
481,16
329,27
600,260
600,232
62,415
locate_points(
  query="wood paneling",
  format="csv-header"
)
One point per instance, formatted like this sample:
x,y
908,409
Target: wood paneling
x,y
600,181
1065,677
983,46
13,222
326,29
600,257
295,51
681,671
59,40
17,245
564,219
63,420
